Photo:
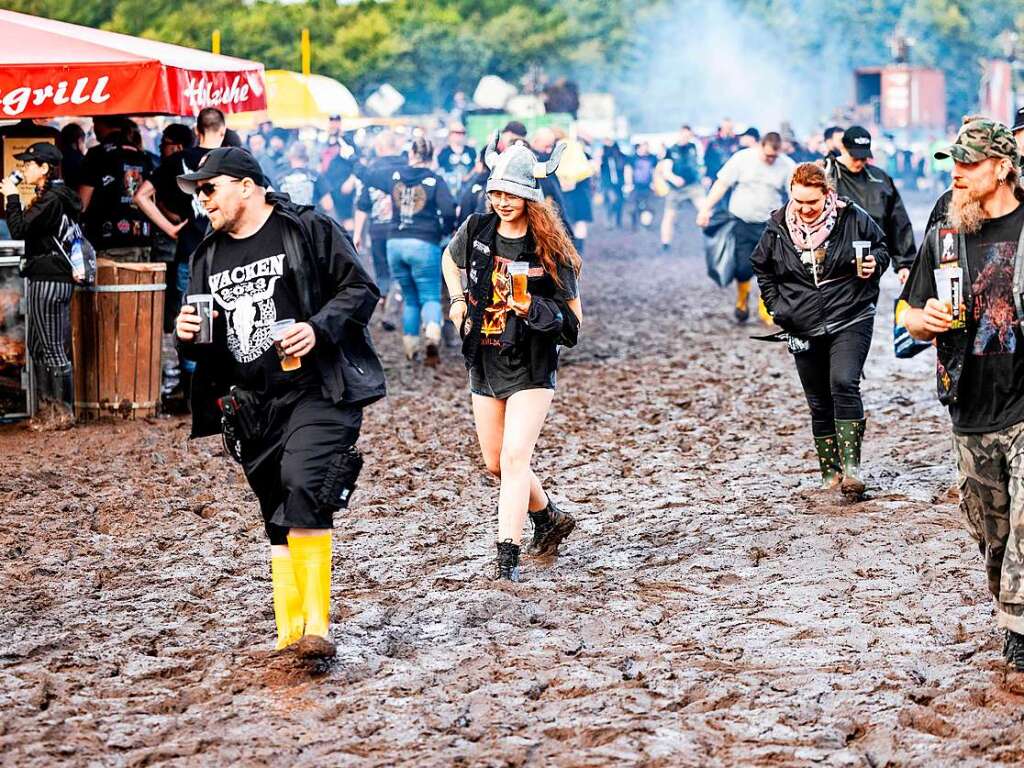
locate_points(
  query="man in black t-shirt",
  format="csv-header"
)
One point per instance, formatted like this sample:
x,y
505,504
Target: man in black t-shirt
x,y
301,183
964,293
111,175
680,168
287,373
178,215
374,206
455,162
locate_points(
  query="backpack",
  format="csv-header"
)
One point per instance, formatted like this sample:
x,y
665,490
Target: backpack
x,y
74,246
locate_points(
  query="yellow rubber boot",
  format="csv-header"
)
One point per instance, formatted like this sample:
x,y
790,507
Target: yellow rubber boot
x,y
287,602
743,301
311,559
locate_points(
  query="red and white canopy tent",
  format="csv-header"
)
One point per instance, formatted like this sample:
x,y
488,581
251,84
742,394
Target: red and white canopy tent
x,y
51,68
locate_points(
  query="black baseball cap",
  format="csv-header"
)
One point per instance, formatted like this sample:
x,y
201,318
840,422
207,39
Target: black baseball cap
x,y
235,162
40,152
1018,121
857,141
516,128
753,133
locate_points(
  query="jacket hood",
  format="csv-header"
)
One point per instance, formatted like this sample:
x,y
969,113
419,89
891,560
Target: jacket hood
x,y
69,199
412,175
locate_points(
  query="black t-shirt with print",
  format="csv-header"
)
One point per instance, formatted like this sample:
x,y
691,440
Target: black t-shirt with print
x,y
992,383
510,249
252,288
685,162
115,173
500,372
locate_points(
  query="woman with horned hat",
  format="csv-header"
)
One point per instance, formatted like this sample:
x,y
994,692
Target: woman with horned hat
x,y
520,305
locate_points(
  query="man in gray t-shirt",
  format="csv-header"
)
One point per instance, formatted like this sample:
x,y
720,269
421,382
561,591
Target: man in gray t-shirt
x,y
759,179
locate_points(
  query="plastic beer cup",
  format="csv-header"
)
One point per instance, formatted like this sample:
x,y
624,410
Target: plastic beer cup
x,y
203,305
277,332
519,271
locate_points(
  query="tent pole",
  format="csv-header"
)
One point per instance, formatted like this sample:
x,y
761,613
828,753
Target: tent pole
x,y
215,40
306,53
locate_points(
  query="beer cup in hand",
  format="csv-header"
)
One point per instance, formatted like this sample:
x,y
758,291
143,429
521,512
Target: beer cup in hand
x,y
867,266
938,316
188,322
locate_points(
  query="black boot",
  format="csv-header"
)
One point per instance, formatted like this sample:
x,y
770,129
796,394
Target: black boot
x,y
1013,649
550,527
507,565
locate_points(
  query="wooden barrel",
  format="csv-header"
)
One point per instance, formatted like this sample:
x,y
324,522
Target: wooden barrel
x,y
116,326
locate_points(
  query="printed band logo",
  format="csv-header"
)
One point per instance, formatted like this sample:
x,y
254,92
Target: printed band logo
x,y
247,296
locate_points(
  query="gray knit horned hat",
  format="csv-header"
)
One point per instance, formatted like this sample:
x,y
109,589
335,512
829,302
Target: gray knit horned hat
x,y
517,171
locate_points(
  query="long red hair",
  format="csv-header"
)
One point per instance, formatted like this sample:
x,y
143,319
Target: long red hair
x,y
553,245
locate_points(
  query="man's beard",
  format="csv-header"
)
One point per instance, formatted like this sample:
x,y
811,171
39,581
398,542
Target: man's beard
x,y
965,212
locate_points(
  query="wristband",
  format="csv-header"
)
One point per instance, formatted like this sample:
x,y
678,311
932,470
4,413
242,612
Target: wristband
x,y
457,299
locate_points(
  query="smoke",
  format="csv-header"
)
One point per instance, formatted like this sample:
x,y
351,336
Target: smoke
x,y
700,62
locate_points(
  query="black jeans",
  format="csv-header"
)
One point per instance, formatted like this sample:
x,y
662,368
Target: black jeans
x,y
830,372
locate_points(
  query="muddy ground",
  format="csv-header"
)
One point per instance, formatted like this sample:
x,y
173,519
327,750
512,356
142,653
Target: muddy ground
x,y
710,610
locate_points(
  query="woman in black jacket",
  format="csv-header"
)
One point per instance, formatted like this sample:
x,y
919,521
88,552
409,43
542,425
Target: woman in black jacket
x,y
807,269
50,274
522,302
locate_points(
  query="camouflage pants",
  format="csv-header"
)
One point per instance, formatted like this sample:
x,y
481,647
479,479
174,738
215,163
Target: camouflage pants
x,y
991,469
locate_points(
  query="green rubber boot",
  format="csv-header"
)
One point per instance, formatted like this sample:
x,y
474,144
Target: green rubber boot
x,y
828,461
851,436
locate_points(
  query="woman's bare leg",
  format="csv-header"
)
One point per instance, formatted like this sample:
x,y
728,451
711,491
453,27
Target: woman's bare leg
x,y
489,415
525,413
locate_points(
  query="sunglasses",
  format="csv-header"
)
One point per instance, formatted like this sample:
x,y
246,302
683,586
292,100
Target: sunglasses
x,y
208,187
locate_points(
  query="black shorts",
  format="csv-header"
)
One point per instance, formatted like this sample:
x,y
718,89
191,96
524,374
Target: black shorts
x,y
305,436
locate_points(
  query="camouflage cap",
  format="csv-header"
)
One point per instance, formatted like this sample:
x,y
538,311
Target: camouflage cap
x,y
981,139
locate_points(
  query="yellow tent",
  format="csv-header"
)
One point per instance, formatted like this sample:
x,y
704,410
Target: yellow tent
x,y
295,100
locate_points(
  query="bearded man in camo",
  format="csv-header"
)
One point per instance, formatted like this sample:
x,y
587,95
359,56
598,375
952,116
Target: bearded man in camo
x,y
965,291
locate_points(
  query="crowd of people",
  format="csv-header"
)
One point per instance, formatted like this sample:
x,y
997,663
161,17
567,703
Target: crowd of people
x,y
278,239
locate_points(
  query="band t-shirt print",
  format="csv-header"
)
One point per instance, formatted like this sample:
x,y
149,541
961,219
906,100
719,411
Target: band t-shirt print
x,y
991,396
252,288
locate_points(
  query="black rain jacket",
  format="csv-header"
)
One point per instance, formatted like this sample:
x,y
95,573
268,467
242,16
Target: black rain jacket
x,y
38,226
875,191
787,285
336,296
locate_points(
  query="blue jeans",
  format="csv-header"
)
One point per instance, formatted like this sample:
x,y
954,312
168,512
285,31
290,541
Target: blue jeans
x,y
416,265
182,274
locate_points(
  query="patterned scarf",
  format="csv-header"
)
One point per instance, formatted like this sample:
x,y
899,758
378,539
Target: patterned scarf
x,y
808,237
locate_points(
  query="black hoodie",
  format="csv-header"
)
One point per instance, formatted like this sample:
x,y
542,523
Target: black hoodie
x,y
422,206
38,226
